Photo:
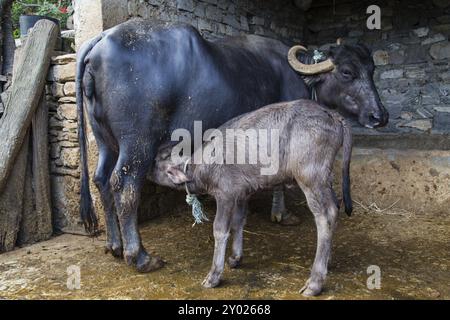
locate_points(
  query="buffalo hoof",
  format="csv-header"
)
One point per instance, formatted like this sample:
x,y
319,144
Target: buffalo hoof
x,y
276,217
149,263
212,280
290,219
234,262
311,289
116,251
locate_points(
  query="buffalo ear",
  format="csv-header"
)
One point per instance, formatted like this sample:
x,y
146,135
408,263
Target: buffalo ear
x,y
363,47
332,52
176,175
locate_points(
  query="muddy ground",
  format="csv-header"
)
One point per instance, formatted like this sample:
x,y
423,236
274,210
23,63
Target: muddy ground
x,y
412,251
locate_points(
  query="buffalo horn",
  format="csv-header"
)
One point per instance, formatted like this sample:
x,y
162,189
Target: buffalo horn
x,y
307,69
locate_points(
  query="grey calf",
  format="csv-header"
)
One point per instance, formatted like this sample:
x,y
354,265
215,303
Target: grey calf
x,y
309,139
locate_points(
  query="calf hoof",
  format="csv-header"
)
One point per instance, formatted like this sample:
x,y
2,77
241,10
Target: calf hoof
x,y
311,289
234,262
116,251
212,280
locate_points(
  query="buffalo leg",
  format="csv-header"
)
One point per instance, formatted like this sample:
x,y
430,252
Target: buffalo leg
x,y
221,227
324,209
127,181
279,213
237,228
106,162
278,206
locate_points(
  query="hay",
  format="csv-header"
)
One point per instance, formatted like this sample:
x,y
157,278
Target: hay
x,y
374,208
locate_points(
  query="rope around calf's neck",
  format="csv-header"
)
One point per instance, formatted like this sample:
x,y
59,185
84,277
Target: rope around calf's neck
x,y
192,200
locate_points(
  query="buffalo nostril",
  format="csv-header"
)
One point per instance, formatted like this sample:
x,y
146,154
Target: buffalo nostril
x,y
375,118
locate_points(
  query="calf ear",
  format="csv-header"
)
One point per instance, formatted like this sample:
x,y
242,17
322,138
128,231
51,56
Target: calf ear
x,y
176,175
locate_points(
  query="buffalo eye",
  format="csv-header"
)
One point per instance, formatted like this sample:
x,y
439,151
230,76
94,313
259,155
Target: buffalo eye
x,y
347,74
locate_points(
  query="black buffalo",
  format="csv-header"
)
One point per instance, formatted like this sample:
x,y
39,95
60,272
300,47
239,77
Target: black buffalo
x,y
143,79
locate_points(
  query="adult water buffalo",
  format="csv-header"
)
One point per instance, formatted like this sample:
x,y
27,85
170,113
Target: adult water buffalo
x,y
143,79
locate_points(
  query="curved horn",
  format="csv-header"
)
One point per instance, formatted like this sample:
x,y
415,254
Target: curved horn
x,y
307,69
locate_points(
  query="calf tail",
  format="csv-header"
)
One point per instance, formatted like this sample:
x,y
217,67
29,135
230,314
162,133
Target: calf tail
x,y
87,214
346,158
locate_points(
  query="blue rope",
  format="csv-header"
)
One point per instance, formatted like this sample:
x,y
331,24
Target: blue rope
x,y
318,55
192,200
197,209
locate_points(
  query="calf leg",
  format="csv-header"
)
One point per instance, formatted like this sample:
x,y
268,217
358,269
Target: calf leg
x,y
237,227
322,204
126,181
221,226
106,162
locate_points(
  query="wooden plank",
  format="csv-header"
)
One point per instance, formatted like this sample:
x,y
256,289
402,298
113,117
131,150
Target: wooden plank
x,y
41,172
11,200
26,91
36,222
28,211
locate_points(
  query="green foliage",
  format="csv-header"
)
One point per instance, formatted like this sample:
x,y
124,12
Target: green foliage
x,y
16,33
58,9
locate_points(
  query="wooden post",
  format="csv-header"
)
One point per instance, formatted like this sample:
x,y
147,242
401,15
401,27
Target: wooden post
x,y
36,222
11,200
26,91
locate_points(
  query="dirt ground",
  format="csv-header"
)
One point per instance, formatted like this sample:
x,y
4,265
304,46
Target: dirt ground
x,y
412,252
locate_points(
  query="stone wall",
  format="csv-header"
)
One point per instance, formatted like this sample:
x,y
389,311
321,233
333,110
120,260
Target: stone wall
x,y
93,16
88,21
63,139
216,18
411,51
